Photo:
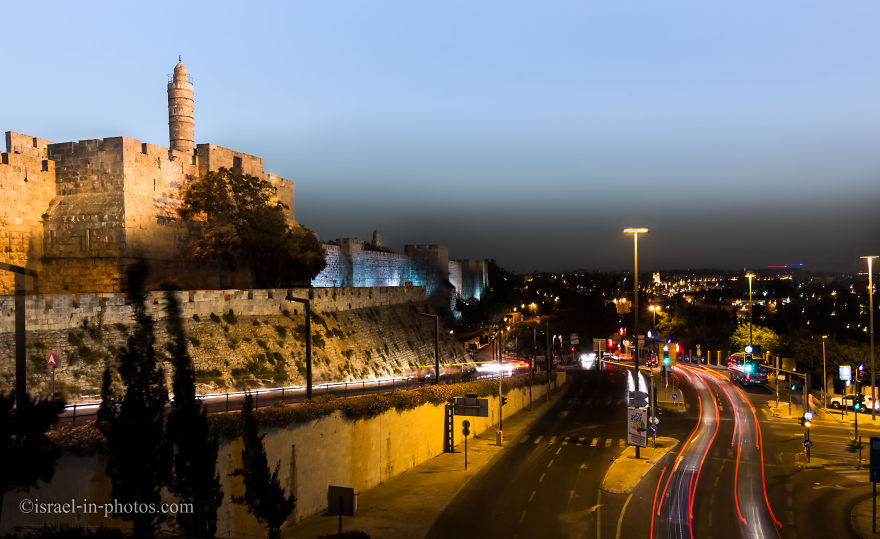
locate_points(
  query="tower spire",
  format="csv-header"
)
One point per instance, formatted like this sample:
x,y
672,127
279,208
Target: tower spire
x,y
181,118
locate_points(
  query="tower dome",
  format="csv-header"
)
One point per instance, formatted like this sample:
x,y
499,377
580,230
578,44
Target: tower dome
x,y
181,117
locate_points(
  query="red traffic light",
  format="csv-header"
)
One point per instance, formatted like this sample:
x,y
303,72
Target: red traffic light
x,y
572,348
677,348
610,343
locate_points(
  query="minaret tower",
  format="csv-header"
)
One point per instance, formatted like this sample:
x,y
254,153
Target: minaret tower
x,y
181,120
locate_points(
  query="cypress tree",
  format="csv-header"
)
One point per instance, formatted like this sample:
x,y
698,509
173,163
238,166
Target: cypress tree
x,y
139,461
263,494
195,479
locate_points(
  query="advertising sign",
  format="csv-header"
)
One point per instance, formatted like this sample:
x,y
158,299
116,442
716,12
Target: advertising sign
x,y
637,426
845,372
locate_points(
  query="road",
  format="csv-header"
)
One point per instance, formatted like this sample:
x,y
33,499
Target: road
x,y
547,483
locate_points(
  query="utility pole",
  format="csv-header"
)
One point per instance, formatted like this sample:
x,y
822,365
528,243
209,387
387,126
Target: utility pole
x,y
436,346
308,327
824,375
548,359
870,260
635,232
20,329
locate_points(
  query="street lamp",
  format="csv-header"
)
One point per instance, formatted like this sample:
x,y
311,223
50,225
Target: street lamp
x,y
635,232
870,260
750,277
308,327
20,327
436,345
824,375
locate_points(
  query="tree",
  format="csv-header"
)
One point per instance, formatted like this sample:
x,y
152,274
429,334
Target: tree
x,y
236,221
764,337
263,494
26,454
138,463
195,479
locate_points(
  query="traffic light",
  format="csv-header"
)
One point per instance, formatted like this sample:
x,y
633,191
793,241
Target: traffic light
x,y
805,421
793,386
860,373
748,363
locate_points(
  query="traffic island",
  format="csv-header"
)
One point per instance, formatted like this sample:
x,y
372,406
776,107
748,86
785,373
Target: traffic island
x,y
860,519
626,471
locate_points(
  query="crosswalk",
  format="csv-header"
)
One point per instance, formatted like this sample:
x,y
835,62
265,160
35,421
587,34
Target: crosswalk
x,y
584,441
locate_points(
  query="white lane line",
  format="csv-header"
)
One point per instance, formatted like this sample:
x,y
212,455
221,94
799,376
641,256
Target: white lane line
x,y
608,442
524,439
594,442
532,495
538,439
558,449
522,517
550,463
570,496
622,442
582,440
552,440
622,512
565,441
540,479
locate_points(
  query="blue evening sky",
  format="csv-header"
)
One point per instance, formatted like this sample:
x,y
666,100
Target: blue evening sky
x,y
743,133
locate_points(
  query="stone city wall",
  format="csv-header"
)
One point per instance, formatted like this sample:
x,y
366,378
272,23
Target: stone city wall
x,y
53,312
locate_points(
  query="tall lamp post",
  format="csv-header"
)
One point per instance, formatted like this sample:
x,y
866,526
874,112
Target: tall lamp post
x,y
308,327
824,375
436,346
750,277
870,260
635,232
20,327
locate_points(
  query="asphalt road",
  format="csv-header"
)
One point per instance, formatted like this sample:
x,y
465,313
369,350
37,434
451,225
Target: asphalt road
x,y
547,483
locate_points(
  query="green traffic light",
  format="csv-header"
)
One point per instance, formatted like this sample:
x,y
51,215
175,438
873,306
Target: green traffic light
x,y
793,387
666,361
748,367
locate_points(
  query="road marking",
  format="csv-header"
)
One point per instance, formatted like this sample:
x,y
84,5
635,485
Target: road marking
x,y
789,516
622,512
522,517
622,442
550,463
552,440
789,501
594,442
565,441
598,512
532,495
581,440
608,442
540,479
524,439
563,413
558,449
570,496
538,439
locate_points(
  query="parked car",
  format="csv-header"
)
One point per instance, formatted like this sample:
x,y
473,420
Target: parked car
x,y
846,401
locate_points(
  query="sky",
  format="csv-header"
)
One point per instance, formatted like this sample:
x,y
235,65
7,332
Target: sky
x,y
743,134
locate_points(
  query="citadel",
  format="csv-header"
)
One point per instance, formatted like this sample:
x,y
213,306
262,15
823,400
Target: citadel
x,y
78,213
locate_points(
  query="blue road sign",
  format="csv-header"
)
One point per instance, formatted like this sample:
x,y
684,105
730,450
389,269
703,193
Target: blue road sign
x,y
808,443
675,395
875,459
652,429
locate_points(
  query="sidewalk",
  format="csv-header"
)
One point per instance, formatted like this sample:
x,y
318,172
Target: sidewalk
x,y
408,505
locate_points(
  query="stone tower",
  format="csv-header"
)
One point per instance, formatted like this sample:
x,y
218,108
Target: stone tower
x,y
181,120
377,239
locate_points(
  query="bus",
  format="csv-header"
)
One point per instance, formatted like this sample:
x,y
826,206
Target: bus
x,y
737,372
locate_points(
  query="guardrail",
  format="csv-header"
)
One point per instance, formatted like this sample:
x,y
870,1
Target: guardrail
x,y
220,402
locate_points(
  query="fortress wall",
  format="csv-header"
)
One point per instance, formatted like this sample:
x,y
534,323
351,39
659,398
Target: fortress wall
x,y
455,275
26,145
474,278
211,157
349,264
27,185
54,312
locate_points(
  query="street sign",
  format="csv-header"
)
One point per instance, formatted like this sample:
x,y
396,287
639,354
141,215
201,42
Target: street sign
x,y
846,372
652,429
655,420
575,338
637,426
808,443
53,359
875,459
470,406
675,395
341,501
637,399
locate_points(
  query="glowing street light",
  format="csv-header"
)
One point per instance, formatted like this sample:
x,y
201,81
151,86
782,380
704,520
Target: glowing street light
x,y
870,260
635,232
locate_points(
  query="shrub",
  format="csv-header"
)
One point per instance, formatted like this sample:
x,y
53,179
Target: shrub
x,y
280,330
196,318
215,318
230,318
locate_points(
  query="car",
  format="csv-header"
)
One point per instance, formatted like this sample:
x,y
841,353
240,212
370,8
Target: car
x,y
846,401
651,362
